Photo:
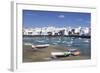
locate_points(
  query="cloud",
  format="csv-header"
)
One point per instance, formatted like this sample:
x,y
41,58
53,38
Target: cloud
x,y
61,16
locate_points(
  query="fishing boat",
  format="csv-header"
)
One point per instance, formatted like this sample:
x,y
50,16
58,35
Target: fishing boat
x,y
74,52
77,53
40,46
60,54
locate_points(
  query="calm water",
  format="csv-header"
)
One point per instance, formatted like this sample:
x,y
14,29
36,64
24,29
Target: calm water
x,y
81,43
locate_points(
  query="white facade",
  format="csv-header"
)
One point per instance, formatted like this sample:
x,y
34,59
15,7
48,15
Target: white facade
x,y
53,30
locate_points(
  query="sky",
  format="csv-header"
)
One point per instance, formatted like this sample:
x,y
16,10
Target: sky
x,y
36,18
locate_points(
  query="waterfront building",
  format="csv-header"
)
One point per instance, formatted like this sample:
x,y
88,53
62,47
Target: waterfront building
x,y
57,31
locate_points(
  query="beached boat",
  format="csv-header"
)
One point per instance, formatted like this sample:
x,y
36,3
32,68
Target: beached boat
x,y
40,46
74,52
60,54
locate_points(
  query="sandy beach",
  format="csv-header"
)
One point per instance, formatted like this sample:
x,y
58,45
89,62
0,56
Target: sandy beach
x,y
44,54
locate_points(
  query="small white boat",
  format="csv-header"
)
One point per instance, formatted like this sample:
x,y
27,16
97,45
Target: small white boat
x,y
60,54
77,53
40,46
74,52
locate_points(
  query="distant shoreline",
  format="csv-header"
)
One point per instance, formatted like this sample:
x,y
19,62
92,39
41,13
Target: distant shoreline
x,y
74,36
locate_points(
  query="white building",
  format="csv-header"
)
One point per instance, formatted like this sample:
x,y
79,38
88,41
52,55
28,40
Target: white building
x,y
53,30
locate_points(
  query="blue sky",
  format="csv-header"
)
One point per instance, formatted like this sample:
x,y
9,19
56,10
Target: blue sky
x,y
34,18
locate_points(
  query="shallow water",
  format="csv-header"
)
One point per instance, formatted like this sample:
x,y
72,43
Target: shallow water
x,y
83,44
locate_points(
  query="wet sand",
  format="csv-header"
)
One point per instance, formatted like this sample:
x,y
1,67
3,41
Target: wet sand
x,y
44,54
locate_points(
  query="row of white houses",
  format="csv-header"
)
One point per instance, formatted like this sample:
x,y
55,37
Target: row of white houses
x,y
57,31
